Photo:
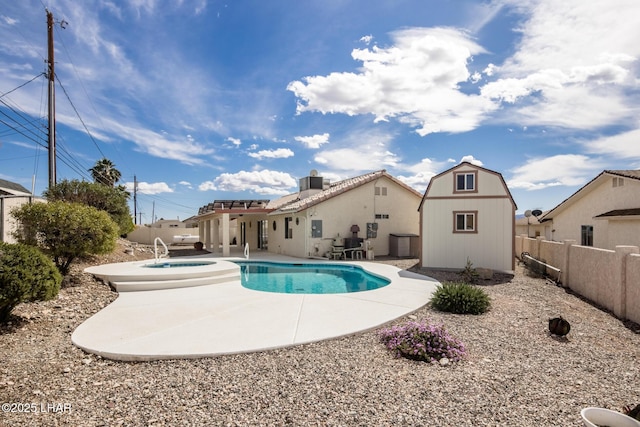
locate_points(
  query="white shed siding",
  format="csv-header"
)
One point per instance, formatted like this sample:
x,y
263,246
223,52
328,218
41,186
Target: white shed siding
x,y
490,247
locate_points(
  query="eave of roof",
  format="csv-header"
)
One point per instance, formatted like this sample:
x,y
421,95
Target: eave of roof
x,y
620,213
631,174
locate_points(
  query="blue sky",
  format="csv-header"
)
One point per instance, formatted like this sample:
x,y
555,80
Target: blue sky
x,y
205,100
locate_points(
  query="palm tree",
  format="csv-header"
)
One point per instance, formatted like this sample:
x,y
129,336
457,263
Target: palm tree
x,y
105,172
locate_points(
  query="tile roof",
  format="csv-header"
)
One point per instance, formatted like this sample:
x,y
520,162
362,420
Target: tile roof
x,y
337,188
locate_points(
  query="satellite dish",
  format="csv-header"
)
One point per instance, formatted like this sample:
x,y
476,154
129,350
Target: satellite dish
x,y
527,213
536,212
313,172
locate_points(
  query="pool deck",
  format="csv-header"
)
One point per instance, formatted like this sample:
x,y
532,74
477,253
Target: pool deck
x,y
226,318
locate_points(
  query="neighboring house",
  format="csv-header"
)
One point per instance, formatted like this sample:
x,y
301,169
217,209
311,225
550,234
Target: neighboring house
x,y
530,226
371,207
12,195
604,213
467,213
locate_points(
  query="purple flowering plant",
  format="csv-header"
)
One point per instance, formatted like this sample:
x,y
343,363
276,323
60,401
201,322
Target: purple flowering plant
x,y
422,341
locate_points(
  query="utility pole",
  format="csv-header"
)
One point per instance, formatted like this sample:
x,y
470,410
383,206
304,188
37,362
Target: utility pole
x,y
52,103
135,200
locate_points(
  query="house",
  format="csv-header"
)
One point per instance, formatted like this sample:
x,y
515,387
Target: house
x,y
12,195
467,213
604,213
530,224
309,223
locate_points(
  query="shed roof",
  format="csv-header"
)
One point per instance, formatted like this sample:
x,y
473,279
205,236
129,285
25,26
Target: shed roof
x,y
467,164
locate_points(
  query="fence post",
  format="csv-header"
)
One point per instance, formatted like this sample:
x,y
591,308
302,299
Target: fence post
x,y
620,280
564,264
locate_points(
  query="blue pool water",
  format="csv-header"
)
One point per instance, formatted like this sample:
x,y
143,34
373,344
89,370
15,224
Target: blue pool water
x,y
307,278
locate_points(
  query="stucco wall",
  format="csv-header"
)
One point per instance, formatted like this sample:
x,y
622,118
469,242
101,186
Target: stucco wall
x,y
610,278
357,206
147,235
7,222
602,198
633,287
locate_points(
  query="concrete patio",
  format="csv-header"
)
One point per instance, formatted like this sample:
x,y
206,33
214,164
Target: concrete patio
x,y
226,318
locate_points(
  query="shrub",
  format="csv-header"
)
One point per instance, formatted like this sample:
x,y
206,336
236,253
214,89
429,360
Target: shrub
x,y
66,231
469,274
460,298
26,274
422,341
112,200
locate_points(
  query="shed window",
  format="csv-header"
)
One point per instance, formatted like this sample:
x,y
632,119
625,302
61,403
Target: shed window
x,y
465,222
465,181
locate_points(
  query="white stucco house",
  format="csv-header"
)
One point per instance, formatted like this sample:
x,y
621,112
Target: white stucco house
x,y
604,213
12,195
467,213
368,208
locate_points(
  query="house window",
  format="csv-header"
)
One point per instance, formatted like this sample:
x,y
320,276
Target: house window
x,y
381,191
587,235
618,182
465,222
466,181
382,216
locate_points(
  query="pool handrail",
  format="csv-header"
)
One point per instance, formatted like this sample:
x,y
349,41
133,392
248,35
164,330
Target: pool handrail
x,y
155,249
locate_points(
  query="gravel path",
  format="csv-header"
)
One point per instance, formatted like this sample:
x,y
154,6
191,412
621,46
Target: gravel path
x,y
516,374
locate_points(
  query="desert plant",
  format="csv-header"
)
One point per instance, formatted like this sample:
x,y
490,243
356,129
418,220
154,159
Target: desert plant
x,y
26,274
469,274
65,231
112,200
422,341
460,298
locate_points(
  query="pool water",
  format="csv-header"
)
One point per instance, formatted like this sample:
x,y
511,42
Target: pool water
x,y
307,278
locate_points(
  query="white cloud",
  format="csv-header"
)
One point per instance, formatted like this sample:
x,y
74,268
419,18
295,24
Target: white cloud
x,y
314,141
572,65
366,39
264,182
280,153
423,172
415,80
470,159
623,146
562,169
150,187
234,141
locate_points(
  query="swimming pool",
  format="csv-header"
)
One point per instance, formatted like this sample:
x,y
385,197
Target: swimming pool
x,y
307,278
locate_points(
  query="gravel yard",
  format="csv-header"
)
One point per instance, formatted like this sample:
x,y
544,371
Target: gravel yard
x,y
515,374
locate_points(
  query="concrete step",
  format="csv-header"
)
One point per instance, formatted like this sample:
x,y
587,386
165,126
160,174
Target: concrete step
x,y
170,283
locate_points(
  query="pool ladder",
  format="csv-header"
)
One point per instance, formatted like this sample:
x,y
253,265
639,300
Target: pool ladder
x,y
246,251
155,249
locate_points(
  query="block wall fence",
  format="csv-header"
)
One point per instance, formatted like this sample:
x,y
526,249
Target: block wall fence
x,y
609,278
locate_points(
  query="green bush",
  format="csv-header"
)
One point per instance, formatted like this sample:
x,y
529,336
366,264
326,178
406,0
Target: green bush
x,y
460,298
66,231
26,275
112,200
